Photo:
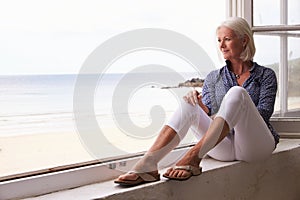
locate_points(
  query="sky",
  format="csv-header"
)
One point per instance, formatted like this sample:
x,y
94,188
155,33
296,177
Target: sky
x,y
56,36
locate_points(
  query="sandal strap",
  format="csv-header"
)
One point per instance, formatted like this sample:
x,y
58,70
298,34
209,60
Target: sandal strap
x,y
194,170
145,176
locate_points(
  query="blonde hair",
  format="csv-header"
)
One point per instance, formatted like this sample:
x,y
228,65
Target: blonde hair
x,y
241,28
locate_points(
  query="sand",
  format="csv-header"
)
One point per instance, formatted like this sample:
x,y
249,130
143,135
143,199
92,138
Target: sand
x,y
26,153
34,152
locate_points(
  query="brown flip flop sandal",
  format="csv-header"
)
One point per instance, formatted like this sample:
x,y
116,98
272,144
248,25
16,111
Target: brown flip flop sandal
x,y
194,171
145,177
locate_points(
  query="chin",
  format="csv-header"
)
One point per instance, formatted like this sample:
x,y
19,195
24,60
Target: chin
x,y
225,56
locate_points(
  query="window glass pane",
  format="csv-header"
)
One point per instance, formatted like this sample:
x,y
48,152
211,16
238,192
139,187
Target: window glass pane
x,y
266,12
269,57
293,12
43,46
294,73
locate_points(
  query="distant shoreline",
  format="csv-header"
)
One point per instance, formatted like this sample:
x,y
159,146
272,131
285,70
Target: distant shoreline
x,y
194,82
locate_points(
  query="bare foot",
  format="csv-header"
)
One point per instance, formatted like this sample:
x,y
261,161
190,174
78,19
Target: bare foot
x,y
134,178
145,165
128,176
191,159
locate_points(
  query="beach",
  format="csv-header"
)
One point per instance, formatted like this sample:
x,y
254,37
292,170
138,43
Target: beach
x,y
46,142
38,130
25,153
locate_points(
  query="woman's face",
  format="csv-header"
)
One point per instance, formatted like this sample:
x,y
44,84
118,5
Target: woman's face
x,y
229,44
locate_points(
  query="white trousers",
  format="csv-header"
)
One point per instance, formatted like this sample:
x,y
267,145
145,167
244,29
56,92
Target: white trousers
x,y
252,139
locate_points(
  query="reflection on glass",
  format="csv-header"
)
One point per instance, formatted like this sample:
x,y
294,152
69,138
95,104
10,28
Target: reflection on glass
x,y
294,71
266,12
37,128
293,12
268,57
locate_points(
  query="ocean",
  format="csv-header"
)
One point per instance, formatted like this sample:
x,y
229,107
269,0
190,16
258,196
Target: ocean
x,y
37,104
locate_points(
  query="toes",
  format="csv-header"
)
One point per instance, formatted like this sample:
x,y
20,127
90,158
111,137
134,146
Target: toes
x,y
173,173
179,173
130,177
169,171
184,174
176,173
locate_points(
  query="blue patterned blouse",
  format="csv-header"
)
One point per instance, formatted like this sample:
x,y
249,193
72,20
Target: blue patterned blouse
x,y
261,86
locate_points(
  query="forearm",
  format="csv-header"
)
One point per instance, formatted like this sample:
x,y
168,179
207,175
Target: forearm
x,y
204,107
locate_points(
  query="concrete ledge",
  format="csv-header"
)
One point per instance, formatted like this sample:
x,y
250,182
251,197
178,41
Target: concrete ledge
x,y
276,178
286,125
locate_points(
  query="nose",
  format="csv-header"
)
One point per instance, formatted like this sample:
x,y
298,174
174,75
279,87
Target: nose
x,y
221,44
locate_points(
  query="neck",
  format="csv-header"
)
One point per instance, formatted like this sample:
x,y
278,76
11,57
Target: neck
x,y
240,67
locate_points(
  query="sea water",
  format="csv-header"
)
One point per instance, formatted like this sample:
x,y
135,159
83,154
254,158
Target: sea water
x,y
37,104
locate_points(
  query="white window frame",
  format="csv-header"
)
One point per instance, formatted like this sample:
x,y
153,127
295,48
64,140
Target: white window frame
x,y
288,127
244,8
283,67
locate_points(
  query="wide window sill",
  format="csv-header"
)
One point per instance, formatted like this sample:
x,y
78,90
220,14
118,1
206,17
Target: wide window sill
x,y
214,172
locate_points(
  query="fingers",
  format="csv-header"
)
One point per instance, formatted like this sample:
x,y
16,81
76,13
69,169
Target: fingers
x,y
192,97
195,97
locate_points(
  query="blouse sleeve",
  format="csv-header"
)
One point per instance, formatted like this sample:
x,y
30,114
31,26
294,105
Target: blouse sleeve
x,y
268,89
206,99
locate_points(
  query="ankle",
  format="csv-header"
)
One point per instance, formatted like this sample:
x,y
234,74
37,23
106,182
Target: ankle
x,y
190,159
194,154
145,164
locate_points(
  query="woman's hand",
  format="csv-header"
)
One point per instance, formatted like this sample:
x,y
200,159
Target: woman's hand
x,y
193,97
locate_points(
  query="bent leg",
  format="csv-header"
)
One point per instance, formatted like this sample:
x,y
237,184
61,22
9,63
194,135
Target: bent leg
x,y
215,132
169,137
175,130
252,139
189,116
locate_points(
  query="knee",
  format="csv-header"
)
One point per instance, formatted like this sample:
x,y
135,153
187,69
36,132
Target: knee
x,y
235,94
187,107
236,91
189,111
232,105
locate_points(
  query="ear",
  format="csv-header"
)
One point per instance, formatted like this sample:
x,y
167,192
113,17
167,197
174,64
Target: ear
x,y
245,40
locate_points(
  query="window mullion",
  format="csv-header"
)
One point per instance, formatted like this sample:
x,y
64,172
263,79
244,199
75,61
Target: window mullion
x,y
239,8
283,75
283,67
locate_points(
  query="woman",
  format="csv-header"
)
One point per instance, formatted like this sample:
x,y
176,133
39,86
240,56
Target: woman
x,y
230,118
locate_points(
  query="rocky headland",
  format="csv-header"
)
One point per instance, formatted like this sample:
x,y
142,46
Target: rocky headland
x,y
194,82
